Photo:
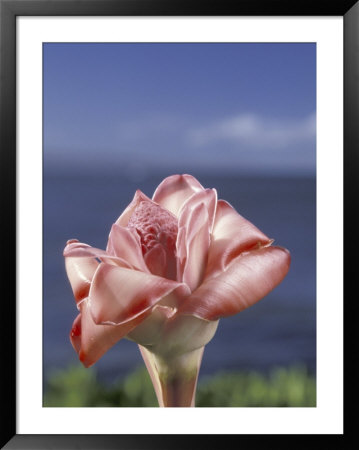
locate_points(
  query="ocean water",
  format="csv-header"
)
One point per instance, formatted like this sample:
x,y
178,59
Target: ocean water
x,y
280,330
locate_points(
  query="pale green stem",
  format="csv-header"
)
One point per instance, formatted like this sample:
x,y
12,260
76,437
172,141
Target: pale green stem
x,y
174,377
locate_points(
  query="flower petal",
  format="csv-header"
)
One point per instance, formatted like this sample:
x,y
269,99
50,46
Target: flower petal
x,y
155,260
126,245
193,252
195,224
232,234
207,197
247,279
80,250
175,190
193,241
118,295
91,341
80,272
127,213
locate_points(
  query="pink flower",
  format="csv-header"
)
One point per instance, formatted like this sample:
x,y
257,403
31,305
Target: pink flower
x,y
173,266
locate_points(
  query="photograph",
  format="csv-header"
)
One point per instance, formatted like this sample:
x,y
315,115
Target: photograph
x,y
179,224
176,176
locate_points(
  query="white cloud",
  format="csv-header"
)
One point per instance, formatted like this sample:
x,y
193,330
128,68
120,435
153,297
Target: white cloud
x,y
255,131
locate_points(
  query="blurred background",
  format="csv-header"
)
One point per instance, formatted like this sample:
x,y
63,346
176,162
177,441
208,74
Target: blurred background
x,y
239,117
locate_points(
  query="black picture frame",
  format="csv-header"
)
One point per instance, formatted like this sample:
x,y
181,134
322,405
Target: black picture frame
x,y
9,10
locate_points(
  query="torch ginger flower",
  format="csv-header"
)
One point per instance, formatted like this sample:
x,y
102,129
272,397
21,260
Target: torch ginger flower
x,y
174,265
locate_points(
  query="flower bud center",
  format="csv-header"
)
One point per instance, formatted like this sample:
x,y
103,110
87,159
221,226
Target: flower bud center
x,y
154,225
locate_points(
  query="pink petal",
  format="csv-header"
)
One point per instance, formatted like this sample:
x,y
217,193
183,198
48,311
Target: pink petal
x,y
80,272
126,245
195,224
155,260
127,213
80,250
175,190
232,234
118,295
247,279
92,341
192,247
207,197
193,238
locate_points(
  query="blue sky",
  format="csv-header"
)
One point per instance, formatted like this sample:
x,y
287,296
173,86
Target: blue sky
x,y
176,107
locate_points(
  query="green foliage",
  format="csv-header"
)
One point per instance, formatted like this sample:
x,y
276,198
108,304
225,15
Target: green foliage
x,y
283,387
77,386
